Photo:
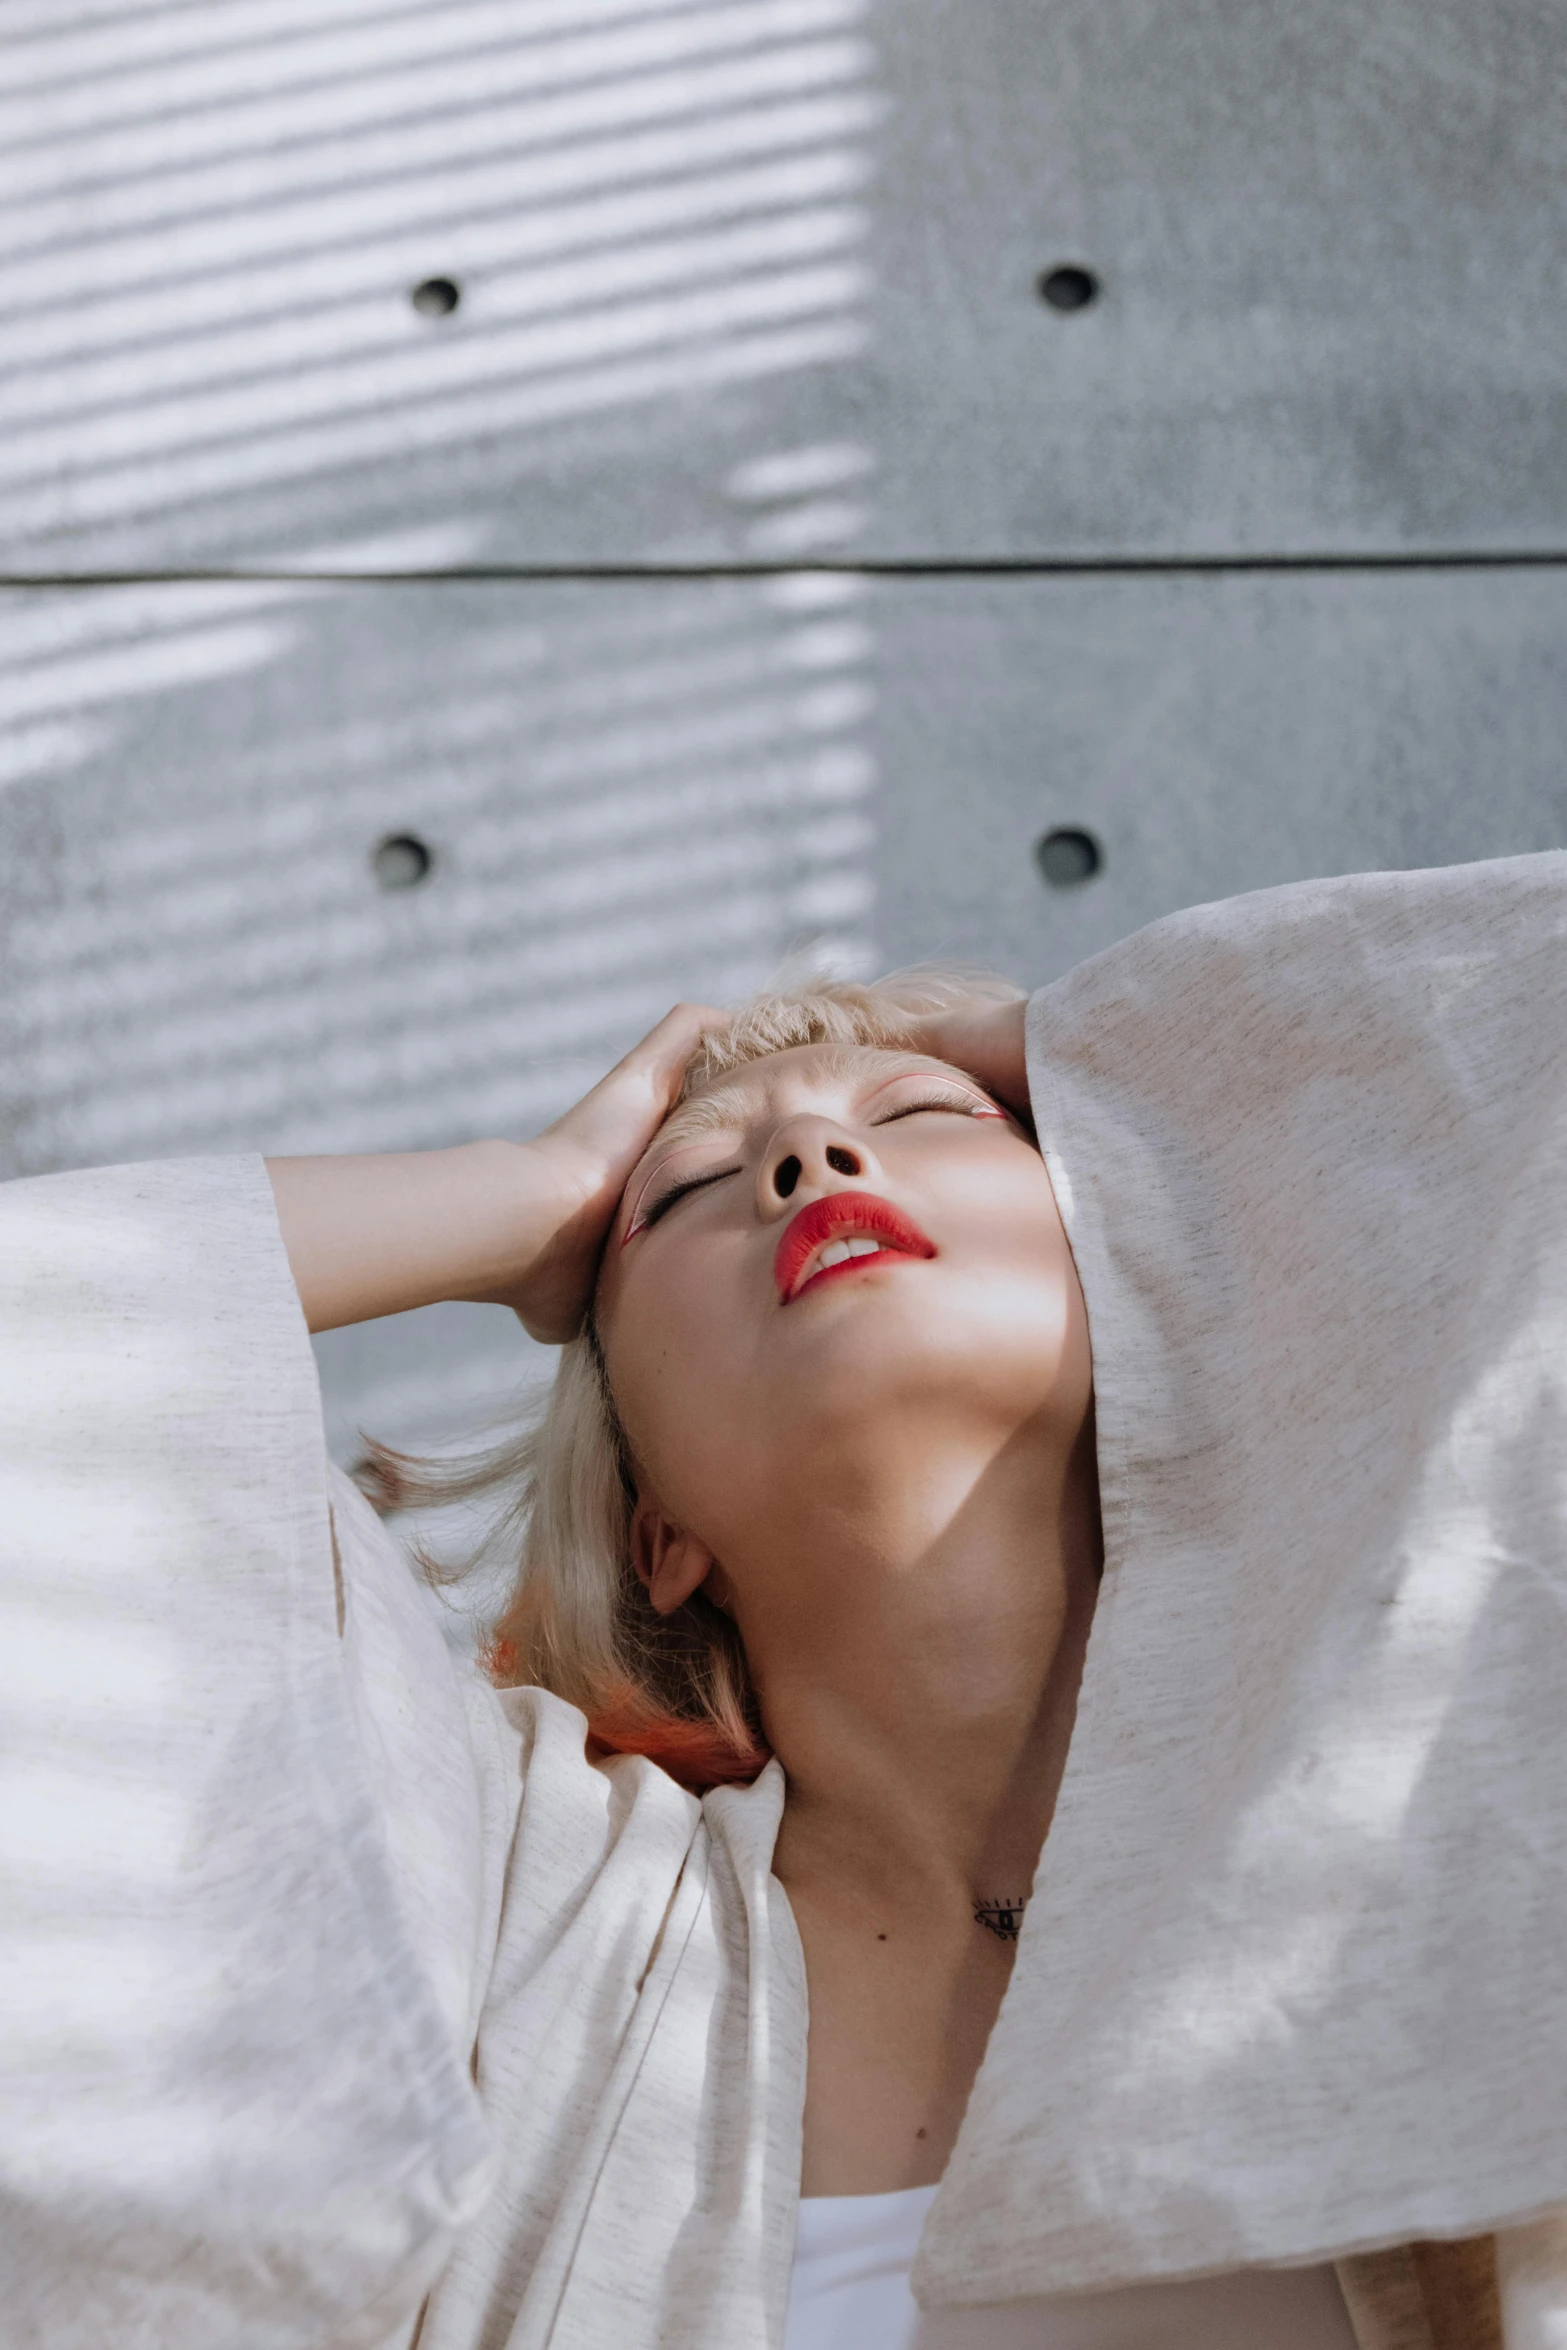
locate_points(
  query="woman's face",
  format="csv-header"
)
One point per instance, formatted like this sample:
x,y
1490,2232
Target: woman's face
x,y
830,1272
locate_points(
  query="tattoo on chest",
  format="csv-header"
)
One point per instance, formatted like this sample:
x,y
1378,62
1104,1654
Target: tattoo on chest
x,y
1002,1917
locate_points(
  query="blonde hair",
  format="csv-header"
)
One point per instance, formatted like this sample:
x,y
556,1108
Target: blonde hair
x,y
579,1621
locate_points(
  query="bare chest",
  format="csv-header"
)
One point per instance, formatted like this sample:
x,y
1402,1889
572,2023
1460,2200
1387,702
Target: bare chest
x,y
901,2008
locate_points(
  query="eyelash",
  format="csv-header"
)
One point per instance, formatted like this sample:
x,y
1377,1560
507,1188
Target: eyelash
x,y
958,1109
660,1208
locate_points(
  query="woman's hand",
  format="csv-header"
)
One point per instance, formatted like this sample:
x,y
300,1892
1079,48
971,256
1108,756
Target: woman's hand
x,y
492,1223
590,1154
986,1040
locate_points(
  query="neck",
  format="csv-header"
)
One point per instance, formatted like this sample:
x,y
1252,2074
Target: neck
x,y
919,1687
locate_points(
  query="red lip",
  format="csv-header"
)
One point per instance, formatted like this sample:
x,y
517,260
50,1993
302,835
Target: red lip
x,y
842,1215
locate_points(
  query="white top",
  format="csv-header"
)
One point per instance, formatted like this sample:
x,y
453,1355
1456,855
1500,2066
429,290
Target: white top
x,y
849,2290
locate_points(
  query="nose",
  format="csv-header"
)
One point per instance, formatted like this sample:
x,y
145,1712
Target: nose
x,y
805,1157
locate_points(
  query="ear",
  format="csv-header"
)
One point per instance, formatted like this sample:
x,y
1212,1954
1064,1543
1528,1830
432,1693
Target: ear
x,y
671,1563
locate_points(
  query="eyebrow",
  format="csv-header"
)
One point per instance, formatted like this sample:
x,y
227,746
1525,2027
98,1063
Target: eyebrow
x,y
718,1112
729,1106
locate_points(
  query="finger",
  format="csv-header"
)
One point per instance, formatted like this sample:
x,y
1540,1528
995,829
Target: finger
x,y
622,1113
669,1047
986,1040
657,1066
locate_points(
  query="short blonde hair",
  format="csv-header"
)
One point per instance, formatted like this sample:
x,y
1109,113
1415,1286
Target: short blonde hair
x,y
578,1620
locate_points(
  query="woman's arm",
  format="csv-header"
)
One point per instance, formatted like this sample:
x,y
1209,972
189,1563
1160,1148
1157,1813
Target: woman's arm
x,y
492,1223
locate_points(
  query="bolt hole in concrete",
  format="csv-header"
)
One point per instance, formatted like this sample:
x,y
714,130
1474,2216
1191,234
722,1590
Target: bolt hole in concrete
x,y
436,297
1067,287
402,861
1068,857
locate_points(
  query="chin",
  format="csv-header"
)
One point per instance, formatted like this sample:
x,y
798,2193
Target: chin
x,y
893,1355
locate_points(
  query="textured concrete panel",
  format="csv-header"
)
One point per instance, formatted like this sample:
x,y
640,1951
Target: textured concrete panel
x,y
1214,734
636,793
628,797
747,279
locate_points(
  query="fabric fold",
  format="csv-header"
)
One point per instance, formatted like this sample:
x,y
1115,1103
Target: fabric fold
x,y
233,2111
1291,1984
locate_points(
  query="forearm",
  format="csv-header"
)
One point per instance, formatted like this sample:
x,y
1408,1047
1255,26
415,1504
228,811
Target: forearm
x,y
380,1235
518,1224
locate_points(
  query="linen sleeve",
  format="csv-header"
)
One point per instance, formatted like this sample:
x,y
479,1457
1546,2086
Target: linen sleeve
x,y
234,2108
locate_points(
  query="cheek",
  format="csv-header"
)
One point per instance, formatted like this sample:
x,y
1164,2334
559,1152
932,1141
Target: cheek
x,y
1008,1288
996,1207
680,1369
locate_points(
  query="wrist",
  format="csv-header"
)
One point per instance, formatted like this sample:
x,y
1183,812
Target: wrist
x,y
568,1171
503,1205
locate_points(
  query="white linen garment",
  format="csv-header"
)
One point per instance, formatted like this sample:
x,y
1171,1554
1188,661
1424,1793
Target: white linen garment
x,y
327,1977
1292,1979
263,1882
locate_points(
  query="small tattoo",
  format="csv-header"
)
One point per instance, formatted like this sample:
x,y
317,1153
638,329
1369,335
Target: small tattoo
x,y
1002,1917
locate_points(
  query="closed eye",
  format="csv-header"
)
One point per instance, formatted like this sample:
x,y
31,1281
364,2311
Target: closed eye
x,y
660,1207
957,1108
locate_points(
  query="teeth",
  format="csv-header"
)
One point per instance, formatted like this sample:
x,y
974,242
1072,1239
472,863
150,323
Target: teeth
x,y
838,1252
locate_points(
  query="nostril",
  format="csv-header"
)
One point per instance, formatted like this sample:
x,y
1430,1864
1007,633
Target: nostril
x,y
842,1162
786,1175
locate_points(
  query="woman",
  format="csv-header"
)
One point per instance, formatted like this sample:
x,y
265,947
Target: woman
x,y
821,1480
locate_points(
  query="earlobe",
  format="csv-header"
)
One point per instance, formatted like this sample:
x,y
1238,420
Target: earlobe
x,y
670,1563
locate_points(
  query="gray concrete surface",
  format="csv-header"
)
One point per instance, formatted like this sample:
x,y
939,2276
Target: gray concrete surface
x,y
637,793
756,278
745,283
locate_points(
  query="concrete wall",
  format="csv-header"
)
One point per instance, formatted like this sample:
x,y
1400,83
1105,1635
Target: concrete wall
x,y
751,564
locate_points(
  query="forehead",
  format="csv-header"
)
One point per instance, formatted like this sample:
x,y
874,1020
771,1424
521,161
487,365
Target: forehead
x,y
783,1082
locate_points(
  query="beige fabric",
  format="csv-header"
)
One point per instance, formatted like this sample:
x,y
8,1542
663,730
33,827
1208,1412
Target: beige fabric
x,y
1290,1986
264,1882
1425,2297
640,2018
1292,1980
232,2105
1386,2306
642,2057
